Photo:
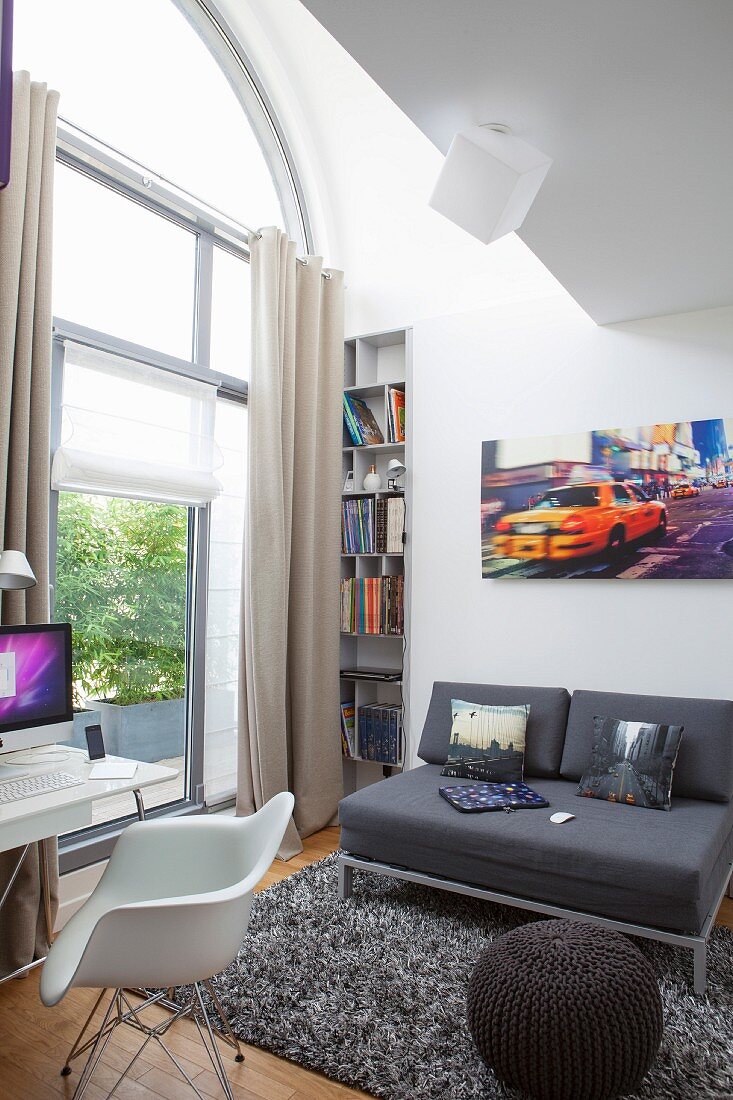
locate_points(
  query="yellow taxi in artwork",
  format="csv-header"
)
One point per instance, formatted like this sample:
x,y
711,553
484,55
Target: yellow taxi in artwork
x,y
684,489
573,521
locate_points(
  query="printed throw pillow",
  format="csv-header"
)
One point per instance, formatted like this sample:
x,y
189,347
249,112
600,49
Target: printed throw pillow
x,y
632,762
487,743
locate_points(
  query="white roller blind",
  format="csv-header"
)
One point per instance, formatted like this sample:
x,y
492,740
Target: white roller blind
x,y
131,430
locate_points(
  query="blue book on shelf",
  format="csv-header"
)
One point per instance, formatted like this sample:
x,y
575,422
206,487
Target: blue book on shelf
x,y
394,724
370,732
363,419
385,714
378,733
386,742
361,748
351,425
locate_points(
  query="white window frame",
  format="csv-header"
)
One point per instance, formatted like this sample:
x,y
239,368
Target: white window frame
x,y
212,229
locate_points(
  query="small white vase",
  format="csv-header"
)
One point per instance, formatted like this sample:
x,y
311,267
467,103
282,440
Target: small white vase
x,y
372,481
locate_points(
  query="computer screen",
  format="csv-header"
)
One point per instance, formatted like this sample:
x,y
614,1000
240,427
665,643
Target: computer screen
x,y
35,676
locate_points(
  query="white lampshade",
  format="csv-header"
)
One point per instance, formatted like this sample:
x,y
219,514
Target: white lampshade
x,y
15,572
395,468
488,182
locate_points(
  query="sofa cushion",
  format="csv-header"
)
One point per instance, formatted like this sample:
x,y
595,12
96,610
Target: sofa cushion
x,y
632,763
481,738
663,870
704,766
548,713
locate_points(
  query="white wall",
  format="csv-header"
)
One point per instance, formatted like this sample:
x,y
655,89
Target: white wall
x,y
368,172
544,367
529,361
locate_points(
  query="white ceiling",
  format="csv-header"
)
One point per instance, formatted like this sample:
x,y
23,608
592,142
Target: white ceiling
x,y
631,98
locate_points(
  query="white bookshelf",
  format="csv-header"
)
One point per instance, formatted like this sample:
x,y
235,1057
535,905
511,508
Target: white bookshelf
x,y
372,365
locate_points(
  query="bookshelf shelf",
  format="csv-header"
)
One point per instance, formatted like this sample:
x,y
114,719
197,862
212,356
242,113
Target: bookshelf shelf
x,y
367,679
392,554
383,448
375,390
357,634
380,493
377,763
375,365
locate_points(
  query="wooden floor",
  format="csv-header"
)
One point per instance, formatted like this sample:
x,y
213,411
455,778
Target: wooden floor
x,y
34,1041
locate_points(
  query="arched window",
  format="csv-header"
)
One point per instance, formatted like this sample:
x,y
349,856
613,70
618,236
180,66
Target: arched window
x,y
136,74
166,155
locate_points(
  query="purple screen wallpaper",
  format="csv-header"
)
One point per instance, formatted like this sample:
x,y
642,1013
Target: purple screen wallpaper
x,y
32,677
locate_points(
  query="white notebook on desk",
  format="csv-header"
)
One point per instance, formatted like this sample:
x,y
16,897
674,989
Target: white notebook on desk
x,y
122,769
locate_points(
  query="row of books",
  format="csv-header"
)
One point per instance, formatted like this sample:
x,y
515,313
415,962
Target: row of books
x,y
371,526
380,732
373,605
361,423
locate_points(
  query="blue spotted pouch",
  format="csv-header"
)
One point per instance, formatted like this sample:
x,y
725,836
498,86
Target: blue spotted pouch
x,y
479,798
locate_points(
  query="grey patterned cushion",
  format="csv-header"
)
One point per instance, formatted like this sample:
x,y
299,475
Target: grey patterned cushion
x,y
632,763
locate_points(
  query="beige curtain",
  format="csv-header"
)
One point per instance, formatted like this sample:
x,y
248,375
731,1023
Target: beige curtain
x,y
25,386
289,700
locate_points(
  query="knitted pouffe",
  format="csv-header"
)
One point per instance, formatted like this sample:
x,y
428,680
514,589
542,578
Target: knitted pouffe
x,y
565,1011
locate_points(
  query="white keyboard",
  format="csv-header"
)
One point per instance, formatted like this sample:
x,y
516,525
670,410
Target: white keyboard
x,y
12,790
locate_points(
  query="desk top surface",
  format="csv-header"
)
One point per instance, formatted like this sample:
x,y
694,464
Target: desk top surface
x,y
76,763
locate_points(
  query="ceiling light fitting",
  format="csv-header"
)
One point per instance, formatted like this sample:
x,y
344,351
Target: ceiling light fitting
x,y
488,181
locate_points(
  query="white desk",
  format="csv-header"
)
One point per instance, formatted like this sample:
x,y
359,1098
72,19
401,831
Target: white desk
x,y
44,815
31,820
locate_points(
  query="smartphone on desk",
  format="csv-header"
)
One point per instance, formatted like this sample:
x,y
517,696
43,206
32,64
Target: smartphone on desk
x,y
95,743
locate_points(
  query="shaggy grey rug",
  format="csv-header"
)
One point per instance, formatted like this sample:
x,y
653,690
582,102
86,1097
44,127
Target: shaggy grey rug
x,y
371,992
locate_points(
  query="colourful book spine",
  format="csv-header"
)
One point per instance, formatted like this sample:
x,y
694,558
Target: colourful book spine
x,y
351,425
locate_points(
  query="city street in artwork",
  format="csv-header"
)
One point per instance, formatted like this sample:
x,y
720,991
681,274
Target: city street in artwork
x,y
632,763
629,503
484,736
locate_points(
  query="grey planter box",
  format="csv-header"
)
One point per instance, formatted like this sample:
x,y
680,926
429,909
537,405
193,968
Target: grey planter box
x,y
144,731
81,720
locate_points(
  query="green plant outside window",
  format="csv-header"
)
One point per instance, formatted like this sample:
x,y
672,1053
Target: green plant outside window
x,y
121,583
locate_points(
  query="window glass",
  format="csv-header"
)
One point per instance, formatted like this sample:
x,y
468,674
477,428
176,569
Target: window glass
x,y
121,576
571,496
620,494
225,585
230,315
136,74
120,268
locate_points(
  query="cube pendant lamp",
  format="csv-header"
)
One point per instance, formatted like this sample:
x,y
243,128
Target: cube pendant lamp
x,y
488,181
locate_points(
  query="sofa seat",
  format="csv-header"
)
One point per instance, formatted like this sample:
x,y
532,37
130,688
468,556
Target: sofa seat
x,y
649,867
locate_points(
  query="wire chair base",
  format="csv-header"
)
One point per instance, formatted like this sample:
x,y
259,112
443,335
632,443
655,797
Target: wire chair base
x,y
121,1010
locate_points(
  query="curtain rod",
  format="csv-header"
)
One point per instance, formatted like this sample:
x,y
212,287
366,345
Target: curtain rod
x,y
145,174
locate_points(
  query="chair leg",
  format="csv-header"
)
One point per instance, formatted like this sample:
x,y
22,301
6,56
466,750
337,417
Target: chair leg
x,y
232,1040
77,1048
101,1039
211,1048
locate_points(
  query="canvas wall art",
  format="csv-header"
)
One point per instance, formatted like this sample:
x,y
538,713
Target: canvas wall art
x,y
631,503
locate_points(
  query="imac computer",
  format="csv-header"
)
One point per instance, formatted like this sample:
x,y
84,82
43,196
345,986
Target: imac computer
x,y
35,689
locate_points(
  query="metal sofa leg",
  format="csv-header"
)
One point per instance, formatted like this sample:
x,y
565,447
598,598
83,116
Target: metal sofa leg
x,y
700,957
346,880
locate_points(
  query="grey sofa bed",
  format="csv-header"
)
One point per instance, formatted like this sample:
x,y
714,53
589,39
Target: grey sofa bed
x,y
651,873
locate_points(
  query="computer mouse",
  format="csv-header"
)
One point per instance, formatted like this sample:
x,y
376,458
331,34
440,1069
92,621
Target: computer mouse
x,y
561,818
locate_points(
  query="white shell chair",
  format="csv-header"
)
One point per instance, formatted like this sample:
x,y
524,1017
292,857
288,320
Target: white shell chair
x,y
170,910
